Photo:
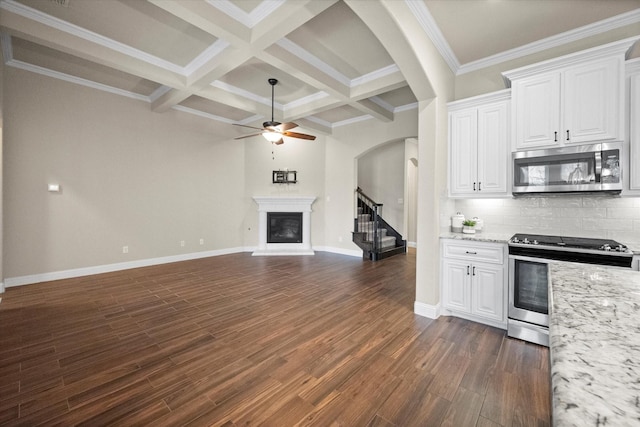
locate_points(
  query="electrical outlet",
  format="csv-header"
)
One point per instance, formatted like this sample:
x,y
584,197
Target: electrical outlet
x,y
182,243
125,249
202,241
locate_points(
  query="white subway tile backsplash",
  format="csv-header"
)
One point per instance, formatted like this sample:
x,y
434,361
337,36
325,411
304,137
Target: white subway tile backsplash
x,y
616,218
536,212
575,213
561,202
608,202
607,224
566,226
630,213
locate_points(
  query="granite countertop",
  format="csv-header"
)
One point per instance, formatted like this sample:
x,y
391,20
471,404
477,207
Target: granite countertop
x,y
594,345
478,237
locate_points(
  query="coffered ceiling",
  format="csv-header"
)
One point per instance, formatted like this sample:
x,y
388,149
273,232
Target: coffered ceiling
x,y
213,57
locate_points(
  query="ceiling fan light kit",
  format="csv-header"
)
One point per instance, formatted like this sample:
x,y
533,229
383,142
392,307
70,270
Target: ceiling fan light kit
x,y
273,131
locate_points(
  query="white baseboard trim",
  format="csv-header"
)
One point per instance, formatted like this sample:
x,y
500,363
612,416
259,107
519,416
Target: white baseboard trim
x,y
412,244
426,310
108,268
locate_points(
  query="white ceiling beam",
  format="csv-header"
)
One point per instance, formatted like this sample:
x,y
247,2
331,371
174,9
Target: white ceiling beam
x,y
379,85
282,58
232,100
318,125
369,107
392,22
241,50
209,19
37,28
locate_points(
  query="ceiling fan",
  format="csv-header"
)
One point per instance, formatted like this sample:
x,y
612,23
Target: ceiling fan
x,y
274,131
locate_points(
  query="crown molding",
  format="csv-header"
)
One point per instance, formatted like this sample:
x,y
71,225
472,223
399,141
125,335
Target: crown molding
x,y
305,100
76,80
428,24
374,75
617,48
476,101
407,107
596,28
351,121
202,114
319,121
245,94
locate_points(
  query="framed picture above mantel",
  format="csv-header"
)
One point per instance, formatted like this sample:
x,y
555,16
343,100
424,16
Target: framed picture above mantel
x,y
284,177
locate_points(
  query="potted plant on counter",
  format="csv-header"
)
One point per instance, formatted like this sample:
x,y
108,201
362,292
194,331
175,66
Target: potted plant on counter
x,y
468,226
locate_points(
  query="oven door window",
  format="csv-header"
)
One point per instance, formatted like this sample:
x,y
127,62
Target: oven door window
x,y
531,280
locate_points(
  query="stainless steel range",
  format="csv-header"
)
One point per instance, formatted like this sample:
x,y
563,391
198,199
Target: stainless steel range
x,y
529,257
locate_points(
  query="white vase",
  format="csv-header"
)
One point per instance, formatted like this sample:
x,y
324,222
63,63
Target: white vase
x,y
468,229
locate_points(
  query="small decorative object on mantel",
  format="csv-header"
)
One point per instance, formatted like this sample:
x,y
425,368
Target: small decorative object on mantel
x,y
468,226
285,177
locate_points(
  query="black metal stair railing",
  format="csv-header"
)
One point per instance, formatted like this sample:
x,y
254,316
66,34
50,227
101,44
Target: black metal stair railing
x,y
366,234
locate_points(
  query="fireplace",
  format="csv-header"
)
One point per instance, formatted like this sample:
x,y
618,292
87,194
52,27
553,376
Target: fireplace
x,y
284,225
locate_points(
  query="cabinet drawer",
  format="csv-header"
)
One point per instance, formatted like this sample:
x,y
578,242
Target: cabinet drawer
x,y
485,252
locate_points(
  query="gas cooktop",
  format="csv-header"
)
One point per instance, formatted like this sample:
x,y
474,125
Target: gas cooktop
x,y
574,244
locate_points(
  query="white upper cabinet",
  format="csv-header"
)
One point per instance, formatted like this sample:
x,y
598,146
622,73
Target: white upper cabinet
x,y
478,146
574,99
593,101
537,110
463,147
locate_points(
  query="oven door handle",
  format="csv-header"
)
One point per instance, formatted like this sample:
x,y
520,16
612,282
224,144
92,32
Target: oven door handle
x,y
530,258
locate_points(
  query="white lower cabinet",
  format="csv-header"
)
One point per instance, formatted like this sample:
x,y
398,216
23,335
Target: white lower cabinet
x,y
634,137
474,278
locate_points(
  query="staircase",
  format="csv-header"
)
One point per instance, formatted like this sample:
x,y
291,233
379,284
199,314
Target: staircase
x,y
376,238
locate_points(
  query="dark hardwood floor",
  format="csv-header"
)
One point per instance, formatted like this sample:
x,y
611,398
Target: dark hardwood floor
x,y
241,340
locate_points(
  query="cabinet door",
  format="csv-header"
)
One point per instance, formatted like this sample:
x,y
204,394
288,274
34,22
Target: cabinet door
x,y
456,281
634,137
487,291
592,99
493,153
537,111
463,131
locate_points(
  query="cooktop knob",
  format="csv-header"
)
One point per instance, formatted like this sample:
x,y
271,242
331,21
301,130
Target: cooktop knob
x,y
526,241
535,242
621,248
516,240
605,247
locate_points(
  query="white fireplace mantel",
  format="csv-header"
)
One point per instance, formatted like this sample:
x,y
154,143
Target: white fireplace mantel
x,y
284,204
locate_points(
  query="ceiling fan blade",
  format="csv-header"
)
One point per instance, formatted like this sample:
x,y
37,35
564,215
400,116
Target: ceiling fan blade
x,y
245,126
286,126
299,135
248,136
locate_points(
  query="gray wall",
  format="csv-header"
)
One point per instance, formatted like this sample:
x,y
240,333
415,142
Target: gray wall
x,y
381,177
132,177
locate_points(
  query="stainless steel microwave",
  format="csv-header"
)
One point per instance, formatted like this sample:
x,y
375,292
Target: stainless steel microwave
x,y
580,168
